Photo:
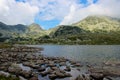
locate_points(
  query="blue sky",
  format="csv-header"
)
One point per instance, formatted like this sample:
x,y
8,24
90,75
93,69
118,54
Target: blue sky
x,y
50,13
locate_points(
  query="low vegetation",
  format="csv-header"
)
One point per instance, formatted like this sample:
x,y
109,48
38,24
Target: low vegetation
x,y
89,38
2,77
5,45
91,30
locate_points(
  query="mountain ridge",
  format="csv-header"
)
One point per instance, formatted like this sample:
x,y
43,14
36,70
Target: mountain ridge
x,y
90,26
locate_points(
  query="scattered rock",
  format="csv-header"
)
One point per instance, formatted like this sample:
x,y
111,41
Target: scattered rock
x,y
52,76
41,69
34,78
97,76
67,68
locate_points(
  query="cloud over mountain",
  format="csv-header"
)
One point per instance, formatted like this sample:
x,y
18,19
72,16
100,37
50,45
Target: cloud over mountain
x,y
102,7
66,11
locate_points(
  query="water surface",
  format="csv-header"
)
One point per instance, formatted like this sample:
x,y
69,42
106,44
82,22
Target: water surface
x,y
83,53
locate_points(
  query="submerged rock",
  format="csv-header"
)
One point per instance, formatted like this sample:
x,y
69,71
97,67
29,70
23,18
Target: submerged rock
x,y
106,71
67,68
14,68
26,74
97,76
112,63
83,77
41,69
52,76
34,78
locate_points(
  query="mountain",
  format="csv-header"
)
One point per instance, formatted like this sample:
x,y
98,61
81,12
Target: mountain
x,y
99,23
91,30
34,31
91,24
9,30
30,31
64,30
34,28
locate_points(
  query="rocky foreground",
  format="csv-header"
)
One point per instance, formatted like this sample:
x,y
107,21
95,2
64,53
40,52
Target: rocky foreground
x,y
53,67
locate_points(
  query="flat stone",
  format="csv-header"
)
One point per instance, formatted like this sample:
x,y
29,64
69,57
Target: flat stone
x,y
41,69
52,76
33,78
97,76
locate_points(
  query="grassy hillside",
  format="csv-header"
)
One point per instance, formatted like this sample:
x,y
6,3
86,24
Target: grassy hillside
x,y
64,30
34,31
9,30
99,23
91,30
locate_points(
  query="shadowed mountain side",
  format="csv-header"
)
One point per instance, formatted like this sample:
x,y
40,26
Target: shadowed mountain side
x,y
65,30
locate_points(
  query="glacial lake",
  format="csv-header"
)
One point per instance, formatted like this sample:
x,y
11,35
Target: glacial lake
x,y
82,53
94,55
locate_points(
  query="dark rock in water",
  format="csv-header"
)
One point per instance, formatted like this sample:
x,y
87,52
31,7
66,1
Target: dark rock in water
x,y
41,69
35,66
34,78
54,68
26,63
97,76
83,77
14,69
107,78
52,76
107,71
72,62
67,68
49,71
62,63
77,64
40,62
26,74
44,73
112,63
78,69
59,74
4,68
68,75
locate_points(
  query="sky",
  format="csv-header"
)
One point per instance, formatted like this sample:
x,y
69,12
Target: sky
x,y
50,13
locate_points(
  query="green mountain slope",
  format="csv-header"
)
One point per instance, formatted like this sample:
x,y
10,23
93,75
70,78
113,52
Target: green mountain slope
x,y
34,31
65,30
9,30
91,30
31,31
99,23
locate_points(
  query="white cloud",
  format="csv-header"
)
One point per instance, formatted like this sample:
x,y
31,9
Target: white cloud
x,y
90,1
12,12
52,9
69,11
102,7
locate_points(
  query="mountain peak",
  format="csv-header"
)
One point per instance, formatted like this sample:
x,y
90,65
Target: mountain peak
x,y
35,26
98,22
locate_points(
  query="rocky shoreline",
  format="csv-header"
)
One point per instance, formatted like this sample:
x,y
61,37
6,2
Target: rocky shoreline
x,y
53,67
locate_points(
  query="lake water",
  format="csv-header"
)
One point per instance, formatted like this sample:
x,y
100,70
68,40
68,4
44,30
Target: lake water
x,y
83,53
86,54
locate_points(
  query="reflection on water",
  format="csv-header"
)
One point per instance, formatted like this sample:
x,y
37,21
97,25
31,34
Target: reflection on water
x,y
83,53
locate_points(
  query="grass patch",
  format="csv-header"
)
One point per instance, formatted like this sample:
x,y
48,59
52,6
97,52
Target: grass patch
x,y
2,77
5,45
